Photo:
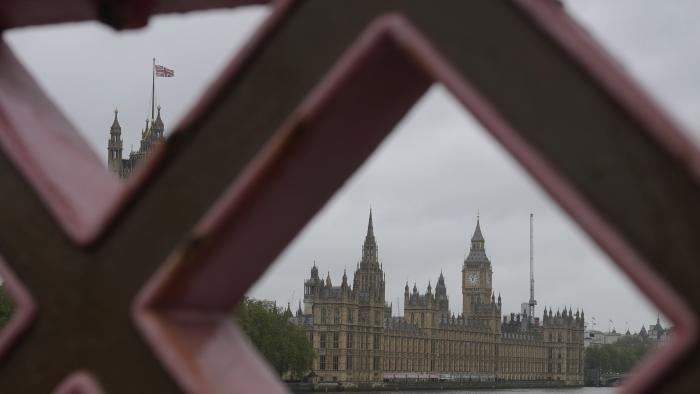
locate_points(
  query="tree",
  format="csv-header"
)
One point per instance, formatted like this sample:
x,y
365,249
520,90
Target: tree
x,y
618,357
284,345
7,307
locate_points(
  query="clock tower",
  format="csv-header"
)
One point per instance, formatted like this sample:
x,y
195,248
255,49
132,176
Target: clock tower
x,y
477,290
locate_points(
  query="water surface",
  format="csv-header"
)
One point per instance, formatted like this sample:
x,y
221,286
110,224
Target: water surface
x,y
577,390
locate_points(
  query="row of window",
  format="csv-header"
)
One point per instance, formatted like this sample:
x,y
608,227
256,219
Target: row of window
x,y
364,341
335,363
420,364
413,345
363,315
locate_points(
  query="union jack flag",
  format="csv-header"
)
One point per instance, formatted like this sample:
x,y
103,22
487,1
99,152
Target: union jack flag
x,y
164,72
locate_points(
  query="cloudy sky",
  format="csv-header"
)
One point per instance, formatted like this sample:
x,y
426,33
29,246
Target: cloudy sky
x,y
425,183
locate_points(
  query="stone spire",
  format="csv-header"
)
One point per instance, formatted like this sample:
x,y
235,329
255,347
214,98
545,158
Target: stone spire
x,y
477,233
370,226
658,327
158,126
440,288
114,146
314,271
477,252
116,127
369,249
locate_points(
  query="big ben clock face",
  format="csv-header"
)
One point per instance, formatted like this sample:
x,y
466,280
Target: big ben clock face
x,y
473,278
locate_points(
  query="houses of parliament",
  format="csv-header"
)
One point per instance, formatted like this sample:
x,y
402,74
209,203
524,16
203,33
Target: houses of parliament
x,y
356,339
151,138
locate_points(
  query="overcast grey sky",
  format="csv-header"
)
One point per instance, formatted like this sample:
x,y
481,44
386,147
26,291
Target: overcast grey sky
x,y
425,183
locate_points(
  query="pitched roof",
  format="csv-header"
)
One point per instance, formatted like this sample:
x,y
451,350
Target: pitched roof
x,y
115,123
477,232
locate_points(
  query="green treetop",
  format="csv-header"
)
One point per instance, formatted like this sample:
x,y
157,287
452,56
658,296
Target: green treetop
x,y
618,357
284,345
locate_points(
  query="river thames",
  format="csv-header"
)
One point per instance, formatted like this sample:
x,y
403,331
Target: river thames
x,y
577,390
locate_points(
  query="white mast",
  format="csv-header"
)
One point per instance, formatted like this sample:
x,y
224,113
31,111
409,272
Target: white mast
x,y
532,302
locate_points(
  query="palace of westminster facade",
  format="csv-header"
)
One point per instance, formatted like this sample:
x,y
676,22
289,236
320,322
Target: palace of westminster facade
x,y
355,338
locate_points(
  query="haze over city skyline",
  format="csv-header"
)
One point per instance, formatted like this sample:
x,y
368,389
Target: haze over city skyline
x,y
425,184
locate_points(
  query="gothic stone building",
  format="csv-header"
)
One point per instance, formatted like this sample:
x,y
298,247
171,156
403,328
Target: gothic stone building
x,y
356,339
151,138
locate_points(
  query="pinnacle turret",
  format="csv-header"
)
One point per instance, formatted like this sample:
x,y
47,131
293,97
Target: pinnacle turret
x,y
477,232
314,271
158,123
152,137
116,127
369,248
477,252
114,146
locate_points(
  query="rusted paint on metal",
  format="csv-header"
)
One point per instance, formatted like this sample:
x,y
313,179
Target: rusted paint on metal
x,y
80,382
118,14
24,308
51,154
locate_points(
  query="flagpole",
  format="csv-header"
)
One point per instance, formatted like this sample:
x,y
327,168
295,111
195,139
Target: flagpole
x,y
153,89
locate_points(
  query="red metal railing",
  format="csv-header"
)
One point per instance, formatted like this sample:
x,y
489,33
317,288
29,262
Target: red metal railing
x,y
305,103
